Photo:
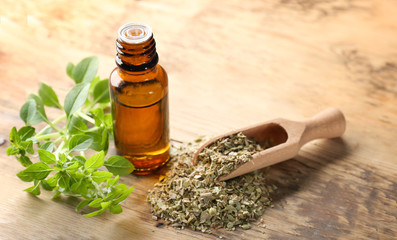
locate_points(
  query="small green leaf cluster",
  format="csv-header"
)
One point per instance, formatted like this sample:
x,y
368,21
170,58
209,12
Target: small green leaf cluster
x,y
61,145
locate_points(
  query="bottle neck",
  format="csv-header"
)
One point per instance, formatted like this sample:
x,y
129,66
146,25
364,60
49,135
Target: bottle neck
x,y
139,57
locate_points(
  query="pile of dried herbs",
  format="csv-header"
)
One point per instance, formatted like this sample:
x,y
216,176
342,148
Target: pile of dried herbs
x,y
191,196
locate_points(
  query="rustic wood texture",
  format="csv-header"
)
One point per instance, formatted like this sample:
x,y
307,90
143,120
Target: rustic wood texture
x,y
230,64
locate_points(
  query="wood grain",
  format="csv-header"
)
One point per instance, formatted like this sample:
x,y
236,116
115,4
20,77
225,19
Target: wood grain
x,y
231,64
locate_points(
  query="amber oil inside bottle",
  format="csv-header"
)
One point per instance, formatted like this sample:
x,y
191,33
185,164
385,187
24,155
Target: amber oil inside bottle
x,y
139,90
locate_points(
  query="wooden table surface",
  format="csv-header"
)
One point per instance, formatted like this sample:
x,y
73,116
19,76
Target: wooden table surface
x,y
230,64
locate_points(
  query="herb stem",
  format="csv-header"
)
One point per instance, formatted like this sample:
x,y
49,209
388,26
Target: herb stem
x,y
92,104
60,147
54,126
61,107
57,140
48,136
59,119
53,122
86,117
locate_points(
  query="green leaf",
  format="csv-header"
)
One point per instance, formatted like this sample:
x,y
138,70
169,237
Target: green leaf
x,y
120,187
46,186
28,113
76,125
96,203
46,156
105,205
11,150
48,96
14,136
38,170
64,180
25,161
52,181
39,105
79,142
60,165
33,111
116,191
105,141
123,196
35,189
119,165
79,175
98,116
48,146
80,159
93,83
27,146
26,132
62,159
101,91
77,187
95,213
103,120
56,194
85,70
69,70
58,168
112,181
76,98
100,139
101,176
115,209
109,122
95,161
82,204
73,168
26,177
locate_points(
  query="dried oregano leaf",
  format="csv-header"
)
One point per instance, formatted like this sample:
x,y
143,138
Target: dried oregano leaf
x,y
191,196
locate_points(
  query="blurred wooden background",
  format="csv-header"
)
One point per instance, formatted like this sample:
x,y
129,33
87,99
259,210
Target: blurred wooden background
x,y
230,64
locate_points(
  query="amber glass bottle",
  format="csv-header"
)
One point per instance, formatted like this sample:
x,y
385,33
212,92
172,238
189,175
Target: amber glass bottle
x,y
139,90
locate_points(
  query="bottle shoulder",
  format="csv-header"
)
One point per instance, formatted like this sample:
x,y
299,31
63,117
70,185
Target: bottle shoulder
x,y
138,90
119,77
162,74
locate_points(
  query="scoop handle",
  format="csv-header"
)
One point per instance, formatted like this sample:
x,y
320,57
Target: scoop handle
x,y
329,123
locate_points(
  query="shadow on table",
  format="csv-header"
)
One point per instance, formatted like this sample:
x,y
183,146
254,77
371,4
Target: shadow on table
x,y
293,175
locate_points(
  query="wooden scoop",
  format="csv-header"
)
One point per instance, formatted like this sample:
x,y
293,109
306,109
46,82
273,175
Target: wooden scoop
x,y
287,136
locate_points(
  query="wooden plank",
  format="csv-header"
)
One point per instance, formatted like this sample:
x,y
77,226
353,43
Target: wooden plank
x,y
230,64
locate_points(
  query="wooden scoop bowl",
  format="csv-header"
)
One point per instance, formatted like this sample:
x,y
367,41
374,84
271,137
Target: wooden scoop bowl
x,y
287,136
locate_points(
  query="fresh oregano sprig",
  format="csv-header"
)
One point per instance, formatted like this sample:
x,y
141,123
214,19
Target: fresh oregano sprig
x,y
60,147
